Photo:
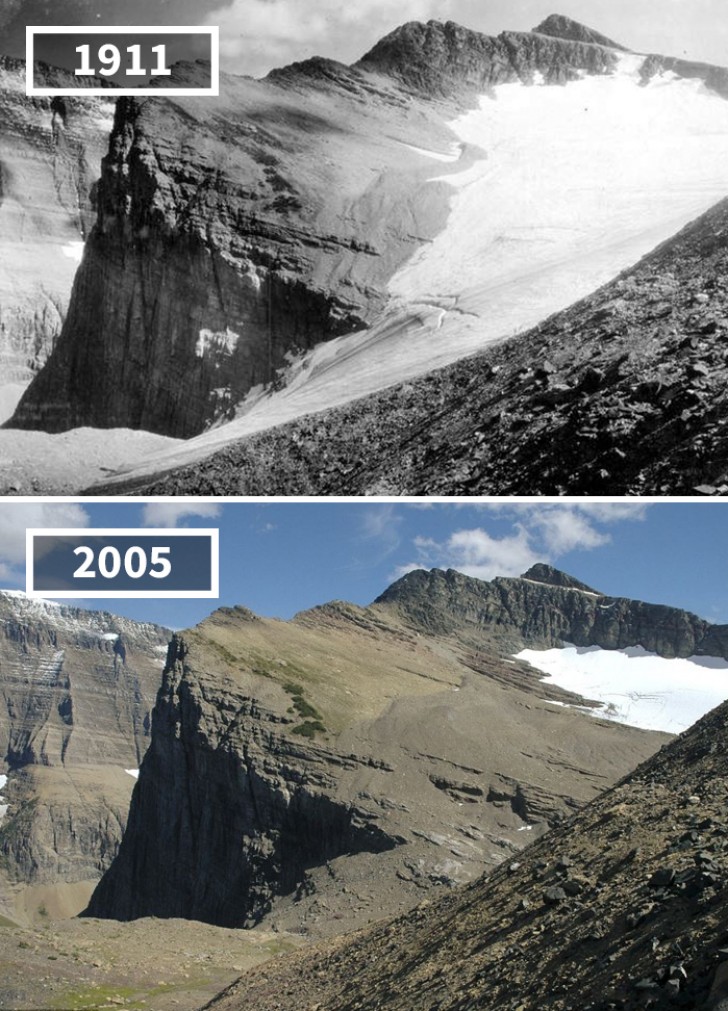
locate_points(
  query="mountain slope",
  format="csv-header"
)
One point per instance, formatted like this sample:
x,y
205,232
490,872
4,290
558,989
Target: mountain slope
x,y
297,233
356,757
622,907
77,689
623,393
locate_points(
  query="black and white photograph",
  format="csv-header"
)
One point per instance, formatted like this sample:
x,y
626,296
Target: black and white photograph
x,y
423,248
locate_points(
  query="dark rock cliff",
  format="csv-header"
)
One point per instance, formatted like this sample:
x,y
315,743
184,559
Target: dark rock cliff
x,y
233,806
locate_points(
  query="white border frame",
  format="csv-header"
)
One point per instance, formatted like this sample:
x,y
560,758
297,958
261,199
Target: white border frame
x,y
111,93
139,532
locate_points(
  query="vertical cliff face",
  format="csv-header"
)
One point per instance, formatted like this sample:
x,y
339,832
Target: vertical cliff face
x,y
50,159
228,813
77,689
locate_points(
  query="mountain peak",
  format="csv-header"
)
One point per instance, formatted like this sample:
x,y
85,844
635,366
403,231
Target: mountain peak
x,y
558,26
542,573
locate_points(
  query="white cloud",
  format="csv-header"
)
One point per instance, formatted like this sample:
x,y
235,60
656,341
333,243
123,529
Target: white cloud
x,y
476,553
613,512
563,529
15,518
541,532
171,514
257,35
480,555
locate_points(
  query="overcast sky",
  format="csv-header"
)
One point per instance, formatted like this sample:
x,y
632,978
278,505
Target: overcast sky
x,y
281,558
257,35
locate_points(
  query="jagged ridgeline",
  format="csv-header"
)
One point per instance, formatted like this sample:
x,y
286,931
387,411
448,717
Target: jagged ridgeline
x,y
77,689
318,773
234,233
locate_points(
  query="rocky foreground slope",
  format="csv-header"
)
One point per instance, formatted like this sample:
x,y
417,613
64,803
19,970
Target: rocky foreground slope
x,y
234,233
77,688
622,907
316,774
624,393
50,160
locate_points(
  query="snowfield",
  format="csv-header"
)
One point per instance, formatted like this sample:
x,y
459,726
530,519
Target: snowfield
x,y
634,686
561,188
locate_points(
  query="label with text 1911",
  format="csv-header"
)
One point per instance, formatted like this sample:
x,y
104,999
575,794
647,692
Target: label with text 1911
x,y
122,563
116,61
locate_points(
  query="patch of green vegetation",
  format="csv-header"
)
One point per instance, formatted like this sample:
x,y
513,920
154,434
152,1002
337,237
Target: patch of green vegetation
x,y
92,997
224,653
42,911
310,728
280,947
302,707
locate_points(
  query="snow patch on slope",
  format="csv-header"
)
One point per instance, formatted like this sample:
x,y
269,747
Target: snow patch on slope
x,y
73,250
576,184
635,686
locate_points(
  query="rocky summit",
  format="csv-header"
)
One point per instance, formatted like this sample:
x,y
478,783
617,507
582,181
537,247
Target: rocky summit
x,y
77,689
621,907
561,27
316,774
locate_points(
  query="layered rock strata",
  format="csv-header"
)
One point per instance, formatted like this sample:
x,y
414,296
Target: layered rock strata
x,y
77,690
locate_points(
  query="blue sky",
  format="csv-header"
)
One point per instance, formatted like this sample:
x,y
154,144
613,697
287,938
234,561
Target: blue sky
x,y
257,35
278,558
